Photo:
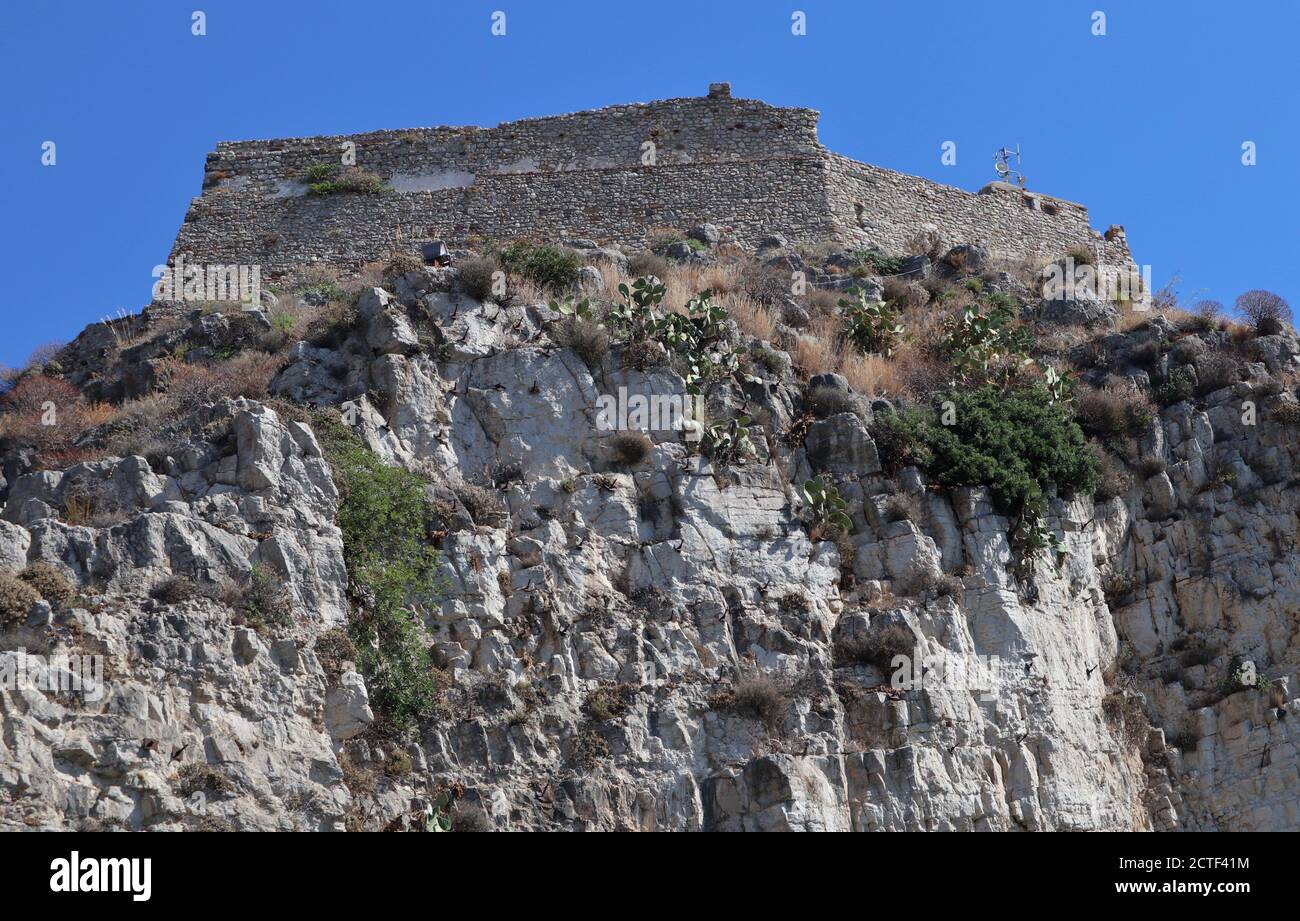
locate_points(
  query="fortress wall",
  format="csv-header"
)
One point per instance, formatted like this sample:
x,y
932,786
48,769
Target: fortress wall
x,y
749,199
751,168
888,208
682,130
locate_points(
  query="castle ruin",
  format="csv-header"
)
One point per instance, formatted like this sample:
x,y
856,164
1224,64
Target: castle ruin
x,y
610,174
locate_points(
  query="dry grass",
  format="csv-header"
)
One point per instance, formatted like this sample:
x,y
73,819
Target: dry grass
x,y
522,291
874,376
50,414
752,317
611,275
686,281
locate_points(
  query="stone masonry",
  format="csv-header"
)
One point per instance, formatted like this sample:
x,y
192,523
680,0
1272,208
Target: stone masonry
x,y
612,174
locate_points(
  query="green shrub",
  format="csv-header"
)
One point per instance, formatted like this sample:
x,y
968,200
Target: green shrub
x,y
552,267
901,439
265,599
874,262
383,514
871,326
826,508
353,181
320,172
1177,386
1015,442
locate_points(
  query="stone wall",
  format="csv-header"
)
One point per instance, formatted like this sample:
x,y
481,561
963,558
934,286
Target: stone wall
x,y
871,204
614,204
433,159
752,168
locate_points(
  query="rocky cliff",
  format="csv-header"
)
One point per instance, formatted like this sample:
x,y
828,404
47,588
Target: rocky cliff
x,y
369,557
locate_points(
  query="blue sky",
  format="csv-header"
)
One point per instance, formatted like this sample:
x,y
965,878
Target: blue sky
x,y
1143,125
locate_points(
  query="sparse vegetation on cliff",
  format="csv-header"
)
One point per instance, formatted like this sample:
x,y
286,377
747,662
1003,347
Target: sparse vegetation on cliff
x,y
1019,443
553,268
392,572
328,179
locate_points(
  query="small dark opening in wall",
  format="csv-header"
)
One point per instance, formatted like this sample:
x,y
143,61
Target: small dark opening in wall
x,y
740,124
858,212
1051,209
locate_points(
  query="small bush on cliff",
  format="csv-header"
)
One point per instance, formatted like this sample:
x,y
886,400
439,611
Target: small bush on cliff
x,y
551,267
49,583
870,326
826,509
630,448
174,590
48,414
610,701
16,599
352,181
319,172
1113,411
878,646
824,402
585,337
757,696
1265,310
476,277
647,265
383,514
1015,442
1178,385
874,262
265,601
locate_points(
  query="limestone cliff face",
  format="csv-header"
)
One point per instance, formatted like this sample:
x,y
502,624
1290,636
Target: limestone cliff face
x,y
603,623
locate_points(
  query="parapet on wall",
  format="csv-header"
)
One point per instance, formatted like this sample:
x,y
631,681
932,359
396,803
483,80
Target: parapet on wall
x,y
610,174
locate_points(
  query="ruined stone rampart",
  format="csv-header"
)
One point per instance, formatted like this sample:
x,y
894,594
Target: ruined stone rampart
x,y
610,174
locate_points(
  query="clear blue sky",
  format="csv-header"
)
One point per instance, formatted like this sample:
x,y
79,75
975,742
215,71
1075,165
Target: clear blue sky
x,y
1143,125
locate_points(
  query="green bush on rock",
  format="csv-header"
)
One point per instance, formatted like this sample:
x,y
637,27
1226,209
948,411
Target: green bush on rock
x,y
1015,442
384,514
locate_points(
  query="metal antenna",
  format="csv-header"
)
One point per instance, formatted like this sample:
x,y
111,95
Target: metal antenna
x,y
1002,165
